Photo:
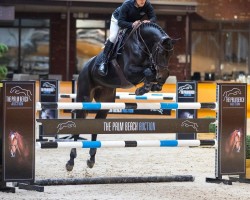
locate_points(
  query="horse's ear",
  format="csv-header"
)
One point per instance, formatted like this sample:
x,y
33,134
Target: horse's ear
x,y
166,40
169,42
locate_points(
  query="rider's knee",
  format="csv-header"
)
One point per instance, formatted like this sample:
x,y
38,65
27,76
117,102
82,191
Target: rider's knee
x,y
112,38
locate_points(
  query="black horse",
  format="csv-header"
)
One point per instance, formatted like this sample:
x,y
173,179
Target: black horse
x,y
142,57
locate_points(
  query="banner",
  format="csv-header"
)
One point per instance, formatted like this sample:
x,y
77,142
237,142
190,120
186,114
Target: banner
x,y
124,126
18,131
231,132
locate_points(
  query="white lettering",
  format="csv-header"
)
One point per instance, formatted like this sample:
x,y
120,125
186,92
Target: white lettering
x,y
131,126
117,126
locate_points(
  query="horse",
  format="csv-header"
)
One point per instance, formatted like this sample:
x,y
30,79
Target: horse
x,y
142,57
233,143
18,149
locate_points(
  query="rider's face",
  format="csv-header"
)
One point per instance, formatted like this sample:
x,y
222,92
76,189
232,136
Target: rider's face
x,y
140,3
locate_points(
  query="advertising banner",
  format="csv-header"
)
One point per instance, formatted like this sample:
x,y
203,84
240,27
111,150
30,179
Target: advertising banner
x,y
124,126
18,131
48,93
186,92
231,131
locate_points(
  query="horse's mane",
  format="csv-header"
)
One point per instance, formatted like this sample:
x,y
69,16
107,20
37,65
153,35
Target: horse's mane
x,y
154,25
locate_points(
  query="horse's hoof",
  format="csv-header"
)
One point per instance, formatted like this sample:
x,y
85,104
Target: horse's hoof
x,y
156,87
90,163
69,167
140,91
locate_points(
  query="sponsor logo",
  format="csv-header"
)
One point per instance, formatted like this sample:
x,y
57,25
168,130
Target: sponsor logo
x,y
19,96
48,87
233,97
68,124
20,90
186,90
231,93
188,123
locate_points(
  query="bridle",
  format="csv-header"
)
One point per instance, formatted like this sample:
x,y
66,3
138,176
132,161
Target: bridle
x,y
155,51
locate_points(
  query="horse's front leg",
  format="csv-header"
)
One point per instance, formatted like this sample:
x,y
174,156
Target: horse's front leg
x,y
149,77
160,83
156,87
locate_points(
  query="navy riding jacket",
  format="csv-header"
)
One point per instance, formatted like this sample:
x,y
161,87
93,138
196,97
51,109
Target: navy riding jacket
x,y
128,13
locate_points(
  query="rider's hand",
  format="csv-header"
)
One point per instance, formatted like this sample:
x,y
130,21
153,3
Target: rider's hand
x,y
146,21
136,23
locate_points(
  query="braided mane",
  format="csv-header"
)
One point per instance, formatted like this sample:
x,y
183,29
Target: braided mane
x,y
154,25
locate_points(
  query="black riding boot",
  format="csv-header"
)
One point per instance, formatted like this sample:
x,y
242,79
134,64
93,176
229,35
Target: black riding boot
x,y
103,68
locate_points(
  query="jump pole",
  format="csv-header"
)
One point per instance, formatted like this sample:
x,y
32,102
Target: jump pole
x,y
118,94
170,96
139,106
124,144
115,180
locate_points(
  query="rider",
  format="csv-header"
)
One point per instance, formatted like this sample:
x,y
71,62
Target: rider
x,y
128,15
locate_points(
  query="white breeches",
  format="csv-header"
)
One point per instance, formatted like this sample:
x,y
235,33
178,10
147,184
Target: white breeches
x,y
114,29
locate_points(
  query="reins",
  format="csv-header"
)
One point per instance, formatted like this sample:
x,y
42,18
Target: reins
x,y
131,32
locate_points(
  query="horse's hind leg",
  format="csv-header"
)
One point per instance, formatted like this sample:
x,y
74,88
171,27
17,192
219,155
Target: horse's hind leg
x,y
70,163
104,95
79,114
92,152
